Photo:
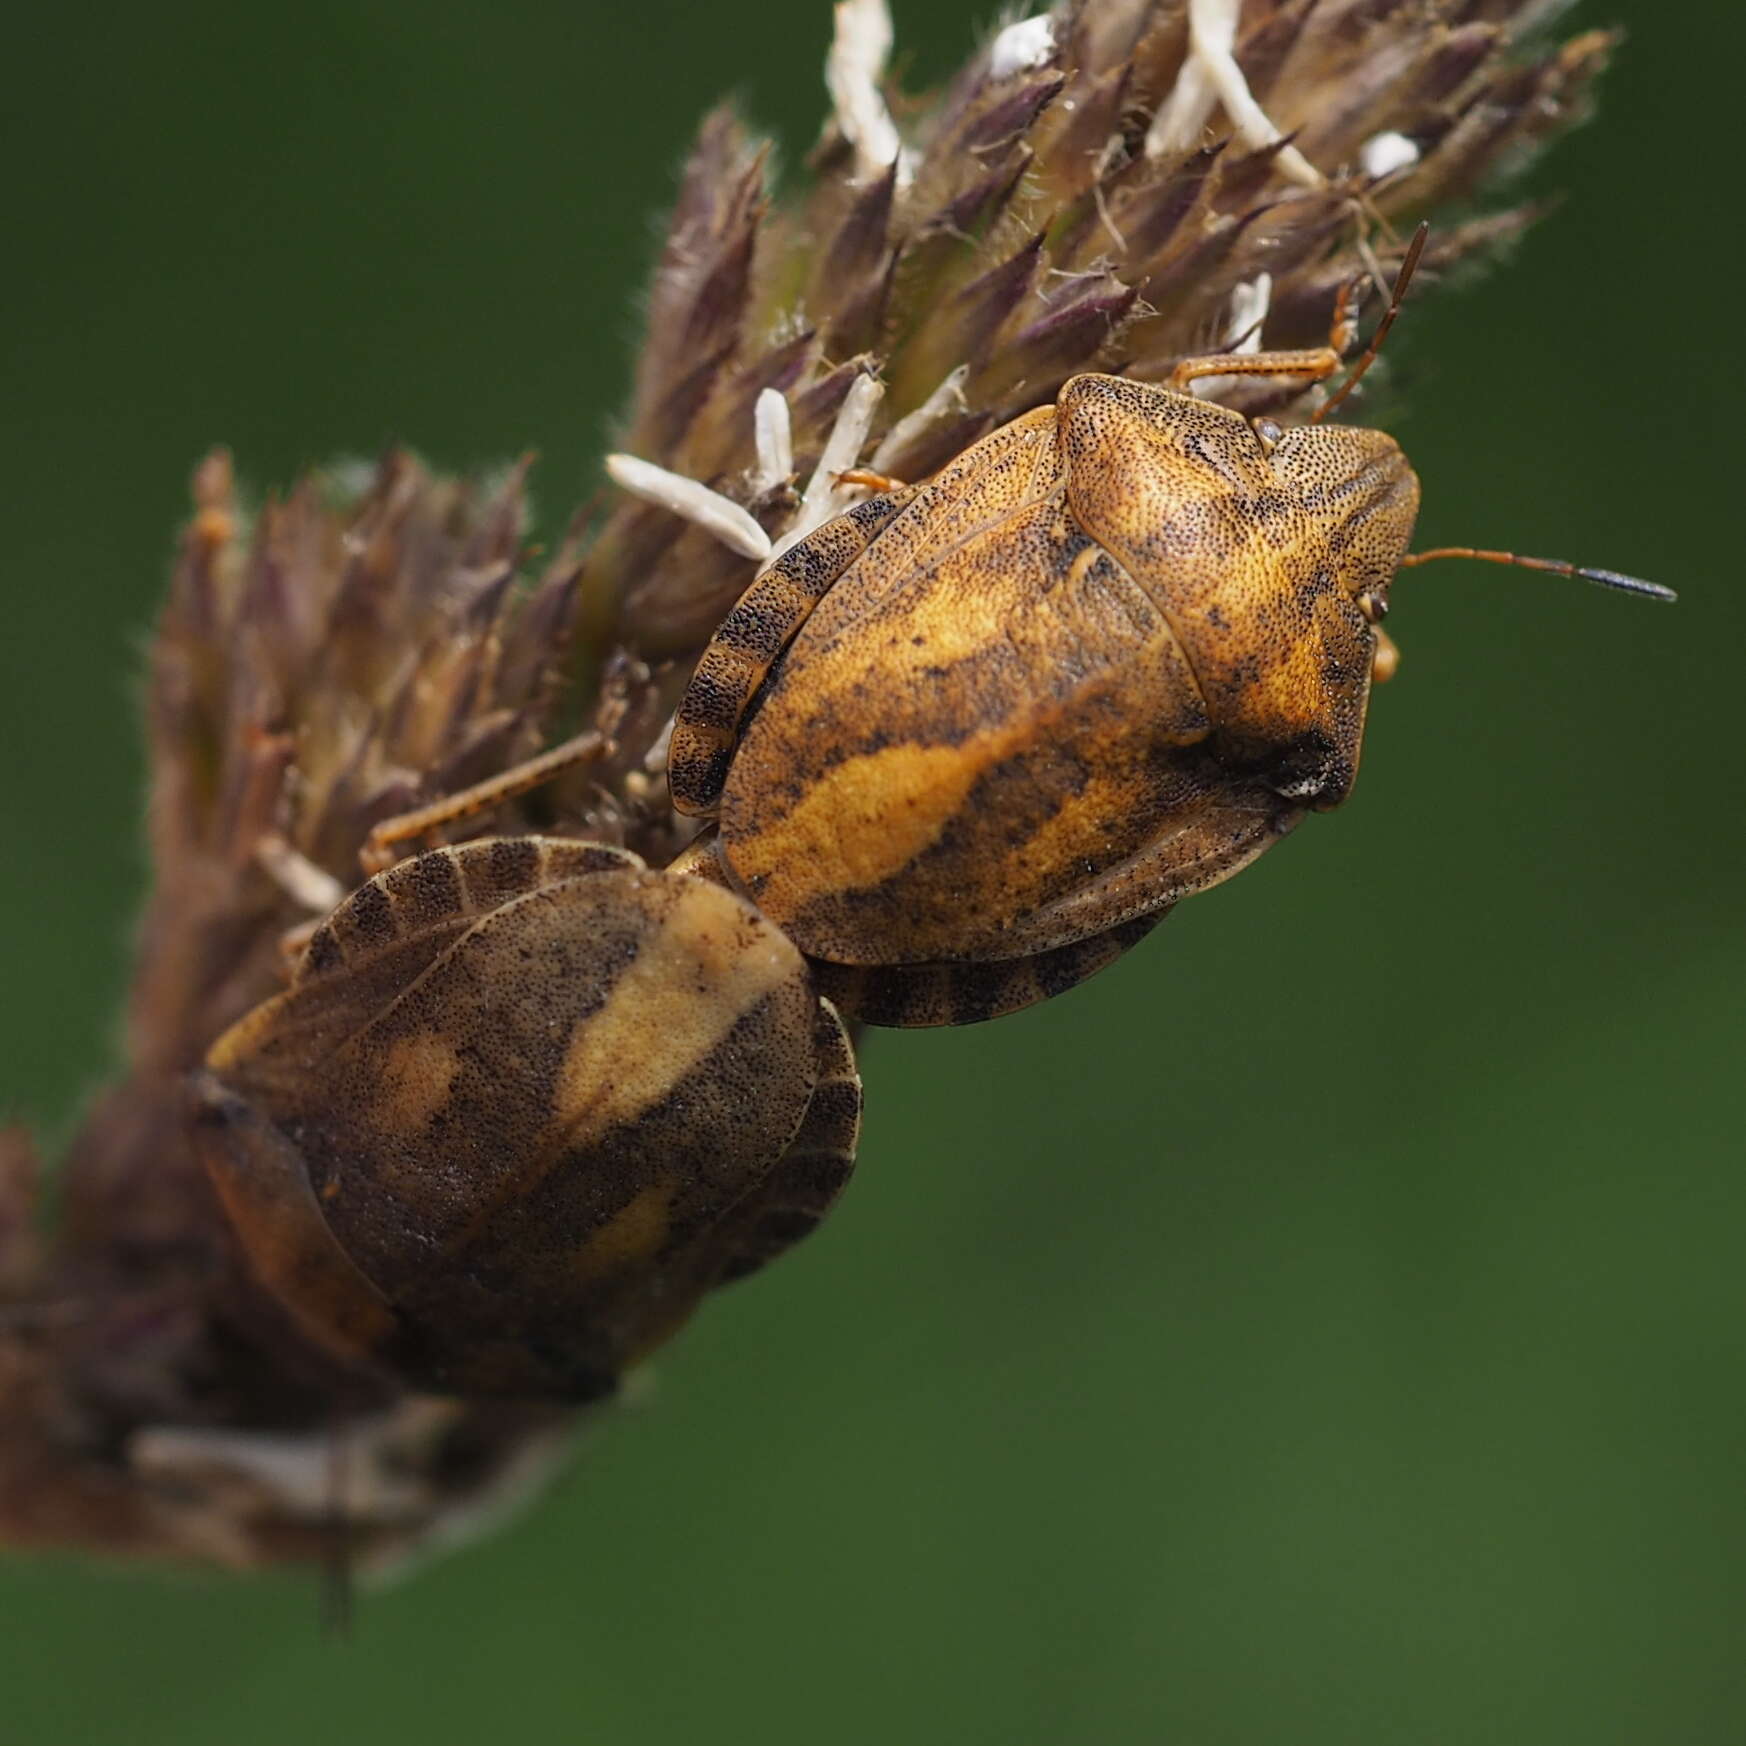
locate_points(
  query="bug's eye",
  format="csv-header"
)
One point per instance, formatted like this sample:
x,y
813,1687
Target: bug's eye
x,y
1268,432
1373,606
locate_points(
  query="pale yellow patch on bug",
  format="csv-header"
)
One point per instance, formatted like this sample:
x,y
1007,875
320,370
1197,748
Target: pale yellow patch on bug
x,y
661,1019
633,1235
845,833
415,1079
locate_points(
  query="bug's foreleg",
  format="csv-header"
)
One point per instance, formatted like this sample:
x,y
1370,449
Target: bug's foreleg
x,y
1315,364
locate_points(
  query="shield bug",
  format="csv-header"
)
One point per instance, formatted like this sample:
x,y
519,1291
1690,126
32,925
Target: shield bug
x,y
524,1102
966,742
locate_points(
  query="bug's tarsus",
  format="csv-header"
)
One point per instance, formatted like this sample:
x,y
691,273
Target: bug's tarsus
x,y
1343,332
1555,566
1317,363
1402,279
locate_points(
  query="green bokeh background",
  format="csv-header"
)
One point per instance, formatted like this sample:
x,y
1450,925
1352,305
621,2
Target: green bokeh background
x,y
1325,1327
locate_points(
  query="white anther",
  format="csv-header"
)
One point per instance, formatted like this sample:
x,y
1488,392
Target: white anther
x,y
773,434
1210,74
1022,46
711,511
655,759
298,877
824,496
1250,301
293,1469
1384,153
946,399
1181,117
296,1477
860,47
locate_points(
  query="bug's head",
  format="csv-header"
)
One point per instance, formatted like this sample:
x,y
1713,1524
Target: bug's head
x,y
1362,495
1364,498
1287,656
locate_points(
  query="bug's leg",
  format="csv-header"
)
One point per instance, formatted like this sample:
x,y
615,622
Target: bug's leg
x,y
1343,329
1314,364
865,476
745,647
701,859
815,1169
915,995
382,847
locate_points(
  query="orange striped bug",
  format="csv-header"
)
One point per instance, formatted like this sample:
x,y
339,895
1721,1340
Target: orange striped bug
x,y
524,1104
969,741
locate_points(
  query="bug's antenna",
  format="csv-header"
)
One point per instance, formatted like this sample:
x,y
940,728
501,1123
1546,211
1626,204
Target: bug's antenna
x,y
1557,566
1402,279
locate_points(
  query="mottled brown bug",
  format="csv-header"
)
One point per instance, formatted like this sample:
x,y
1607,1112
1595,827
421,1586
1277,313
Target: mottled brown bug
x,y
524,1103
967,742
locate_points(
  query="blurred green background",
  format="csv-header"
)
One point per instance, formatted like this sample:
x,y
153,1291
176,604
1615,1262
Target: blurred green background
x,y
1326,1326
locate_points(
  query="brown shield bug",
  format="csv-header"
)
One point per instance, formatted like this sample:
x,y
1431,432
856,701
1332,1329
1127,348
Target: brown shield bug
x,y
524,1103
965,743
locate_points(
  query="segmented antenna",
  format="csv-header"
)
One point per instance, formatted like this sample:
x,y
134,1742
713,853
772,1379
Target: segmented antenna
x,y
1408,266
1557,566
